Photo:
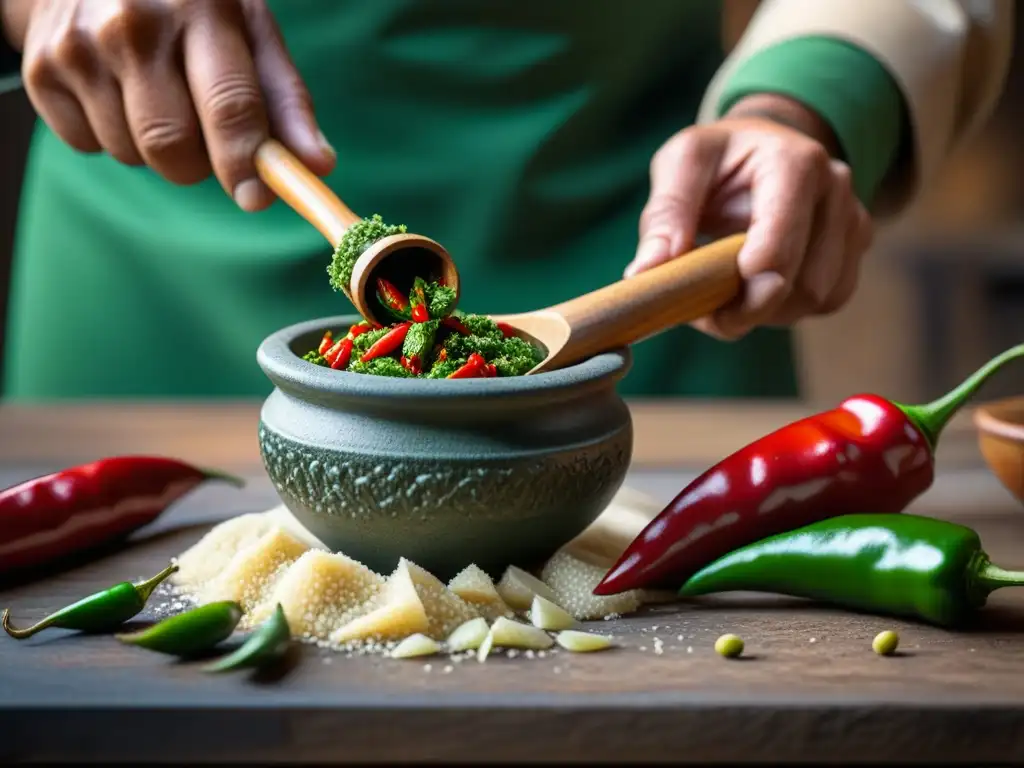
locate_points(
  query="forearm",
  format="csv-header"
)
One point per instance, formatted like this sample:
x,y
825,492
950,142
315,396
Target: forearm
x,y
947,58
835,92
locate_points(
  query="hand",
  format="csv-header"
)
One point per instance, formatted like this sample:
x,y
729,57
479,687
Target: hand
x,y
184,86
806,230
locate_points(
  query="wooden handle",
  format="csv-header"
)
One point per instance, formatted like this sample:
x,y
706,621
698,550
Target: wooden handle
x,y
671,294
300,188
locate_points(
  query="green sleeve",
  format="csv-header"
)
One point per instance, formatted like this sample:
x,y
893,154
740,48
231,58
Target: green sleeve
x,y
847,87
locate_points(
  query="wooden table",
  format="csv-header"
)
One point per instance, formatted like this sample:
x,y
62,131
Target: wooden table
x,y
812,690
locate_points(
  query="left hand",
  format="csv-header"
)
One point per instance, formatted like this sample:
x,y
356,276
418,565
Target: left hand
x,y
806,229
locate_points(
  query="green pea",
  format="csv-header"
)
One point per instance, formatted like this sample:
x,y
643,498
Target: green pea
x,y
729,646
885,643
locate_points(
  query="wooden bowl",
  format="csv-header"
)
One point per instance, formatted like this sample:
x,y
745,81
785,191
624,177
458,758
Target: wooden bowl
x,y
1001,439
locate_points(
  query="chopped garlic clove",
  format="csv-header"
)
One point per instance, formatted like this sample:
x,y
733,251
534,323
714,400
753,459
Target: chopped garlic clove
x,y
506,633
474,586
412,601
415,645
517,588
319,593
573,581
544,614
485,647
582,642
469,636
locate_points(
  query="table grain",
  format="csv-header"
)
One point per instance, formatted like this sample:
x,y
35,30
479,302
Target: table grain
x,y
810,689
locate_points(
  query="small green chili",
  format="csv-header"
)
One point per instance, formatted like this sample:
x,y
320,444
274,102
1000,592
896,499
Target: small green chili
x,y
266,645
191,632
729,646
101,612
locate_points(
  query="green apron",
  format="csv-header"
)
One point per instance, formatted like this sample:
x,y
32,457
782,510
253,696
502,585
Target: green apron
x,y
517,134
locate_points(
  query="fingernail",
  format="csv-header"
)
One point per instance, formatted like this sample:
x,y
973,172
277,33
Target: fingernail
x,y
325,145
250,195
763,291
652,251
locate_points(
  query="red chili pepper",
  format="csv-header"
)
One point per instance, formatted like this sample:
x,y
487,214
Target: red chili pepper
x,y
339,355
387,343
490,371
507,330
359,329
420,314
83,507
868,453
326,342
472,369
456,325
411,364
391,297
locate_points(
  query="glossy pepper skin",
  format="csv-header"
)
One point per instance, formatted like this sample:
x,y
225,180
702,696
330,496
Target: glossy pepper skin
x,y
392,299
868,453
897,565
49,517
101,612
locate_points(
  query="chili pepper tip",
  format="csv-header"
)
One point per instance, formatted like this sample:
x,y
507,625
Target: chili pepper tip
x,y
216,474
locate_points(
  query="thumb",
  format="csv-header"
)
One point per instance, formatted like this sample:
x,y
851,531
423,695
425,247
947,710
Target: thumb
x,y
289,105
682,174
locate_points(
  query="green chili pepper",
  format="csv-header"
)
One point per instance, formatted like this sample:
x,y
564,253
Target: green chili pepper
x,y
101,612
898,565
266,645
191,632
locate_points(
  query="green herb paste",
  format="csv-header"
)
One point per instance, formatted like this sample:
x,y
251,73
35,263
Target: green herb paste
x,y
435,348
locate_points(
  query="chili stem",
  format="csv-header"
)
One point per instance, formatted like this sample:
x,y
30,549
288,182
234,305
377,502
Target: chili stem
x,y
931,418
992,577
145,588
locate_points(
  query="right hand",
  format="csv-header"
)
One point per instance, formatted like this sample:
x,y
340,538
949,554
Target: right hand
x,y
184,86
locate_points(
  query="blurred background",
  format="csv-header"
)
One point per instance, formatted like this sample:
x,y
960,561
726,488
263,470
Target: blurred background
x,y
939,295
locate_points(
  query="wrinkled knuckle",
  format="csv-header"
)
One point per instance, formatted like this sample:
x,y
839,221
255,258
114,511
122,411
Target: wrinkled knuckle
x,y
164,137
233,104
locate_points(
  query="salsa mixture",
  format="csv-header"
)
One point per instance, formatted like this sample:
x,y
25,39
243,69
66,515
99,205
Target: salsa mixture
x,y
429,338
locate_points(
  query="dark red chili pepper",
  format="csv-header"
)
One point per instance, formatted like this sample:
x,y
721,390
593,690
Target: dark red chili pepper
x,y
392,298
490,371
868,453
326,342
83,507
472,369
387,343
507,330
456,325
412,364
339,355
